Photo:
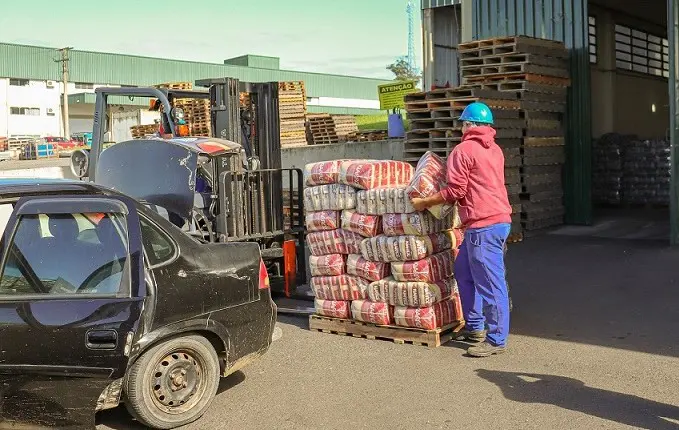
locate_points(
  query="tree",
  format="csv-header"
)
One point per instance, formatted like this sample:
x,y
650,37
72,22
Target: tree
x,y
403,72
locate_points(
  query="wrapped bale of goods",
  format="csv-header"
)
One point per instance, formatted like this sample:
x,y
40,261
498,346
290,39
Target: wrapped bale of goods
x,y
365,225
367,174
326,243
388,249
352,241
370,270
607,168
417,223
342,287
428,180
372,312
411,294
429,318
436,268
335,197
383,201
647,172
333,308
322,221
327,265
322,173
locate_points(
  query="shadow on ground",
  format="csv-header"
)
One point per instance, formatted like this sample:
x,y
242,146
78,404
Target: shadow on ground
x,y
609,292
574,395
120,419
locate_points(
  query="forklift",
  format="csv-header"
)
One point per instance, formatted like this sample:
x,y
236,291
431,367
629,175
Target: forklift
x,y
229,187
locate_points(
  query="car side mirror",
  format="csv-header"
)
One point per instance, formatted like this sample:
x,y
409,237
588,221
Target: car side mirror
x,y
80,163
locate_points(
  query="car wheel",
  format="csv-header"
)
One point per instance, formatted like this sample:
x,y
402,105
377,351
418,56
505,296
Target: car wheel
x,y
173,383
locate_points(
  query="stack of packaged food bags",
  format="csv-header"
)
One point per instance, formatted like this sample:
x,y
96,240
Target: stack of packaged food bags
x,y
373,257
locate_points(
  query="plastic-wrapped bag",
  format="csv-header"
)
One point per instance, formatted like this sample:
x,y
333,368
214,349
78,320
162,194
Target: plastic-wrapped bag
x,y
352,241
382,201
323,220
365,225
411,294
326,242
388,249
429,179
429,318
417,223
322,173
370,270
371,312
343,287
431,269
369,174
327,265
333,308
333,197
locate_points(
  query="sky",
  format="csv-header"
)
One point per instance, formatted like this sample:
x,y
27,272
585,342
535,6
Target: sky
x,y
352,37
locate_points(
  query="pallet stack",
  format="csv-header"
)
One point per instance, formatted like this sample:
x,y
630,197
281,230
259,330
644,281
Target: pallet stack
x,y
345,127
536,72
4,144
320,129
371,135
188,86
141,131
379,269
435,127
292,110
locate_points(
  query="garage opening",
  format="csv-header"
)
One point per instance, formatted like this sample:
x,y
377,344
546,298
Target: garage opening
x,y
629,62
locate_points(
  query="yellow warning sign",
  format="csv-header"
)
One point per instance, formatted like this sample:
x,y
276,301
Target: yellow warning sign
x,y
392,95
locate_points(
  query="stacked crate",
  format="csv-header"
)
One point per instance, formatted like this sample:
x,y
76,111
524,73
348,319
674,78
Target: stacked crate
x,y
321,129
345,127
536,71
292,111
371,135
435,127
141,131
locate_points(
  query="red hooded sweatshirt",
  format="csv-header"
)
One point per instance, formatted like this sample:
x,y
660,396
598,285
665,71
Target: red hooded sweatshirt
x,y
476,180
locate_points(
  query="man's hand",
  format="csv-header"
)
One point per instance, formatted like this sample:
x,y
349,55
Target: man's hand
x,y
419,205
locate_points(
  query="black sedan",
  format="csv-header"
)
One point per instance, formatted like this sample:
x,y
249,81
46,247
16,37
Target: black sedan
x,y
103,300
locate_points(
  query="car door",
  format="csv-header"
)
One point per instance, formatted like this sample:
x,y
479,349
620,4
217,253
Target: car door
x,y
71,297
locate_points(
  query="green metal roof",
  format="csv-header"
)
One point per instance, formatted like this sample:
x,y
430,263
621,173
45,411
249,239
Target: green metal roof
x,y
33,62
90,98
259,61
430,4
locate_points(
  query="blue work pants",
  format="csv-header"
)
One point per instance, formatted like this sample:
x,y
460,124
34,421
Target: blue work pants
x,y
480,274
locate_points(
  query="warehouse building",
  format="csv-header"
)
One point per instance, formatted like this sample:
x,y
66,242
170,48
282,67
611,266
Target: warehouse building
x,y
623,79
31,88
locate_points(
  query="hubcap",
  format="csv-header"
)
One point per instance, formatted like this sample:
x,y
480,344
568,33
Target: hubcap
x,y
176,380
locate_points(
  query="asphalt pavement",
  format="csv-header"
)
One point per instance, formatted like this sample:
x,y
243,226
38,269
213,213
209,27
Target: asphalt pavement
x,y
594,344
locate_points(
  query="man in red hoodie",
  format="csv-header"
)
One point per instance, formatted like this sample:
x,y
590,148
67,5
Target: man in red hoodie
x,y
476,182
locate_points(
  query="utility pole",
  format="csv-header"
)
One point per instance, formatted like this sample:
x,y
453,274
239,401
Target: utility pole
x,y
64,81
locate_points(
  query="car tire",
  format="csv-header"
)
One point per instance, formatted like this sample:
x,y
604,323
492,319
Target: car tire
x,y
173,383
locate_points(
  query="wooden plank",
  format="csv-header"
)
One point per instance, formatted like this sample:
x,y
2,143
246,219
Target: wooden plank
x,y
397,334
508,69
544,141
546,80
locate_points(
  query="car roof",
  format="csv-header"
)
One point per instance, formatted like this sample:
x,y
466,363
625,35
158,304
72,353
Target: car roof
x,y
34,181
20,186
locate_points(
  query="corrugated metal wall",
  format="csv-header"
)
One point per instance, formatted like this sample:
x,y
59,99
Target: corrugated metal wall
x,y
566,21
32,62
446,37
673,38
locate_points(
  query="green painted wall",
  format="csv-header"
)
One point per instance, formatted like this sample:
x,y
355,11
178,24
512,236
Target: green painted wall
x,y
32,62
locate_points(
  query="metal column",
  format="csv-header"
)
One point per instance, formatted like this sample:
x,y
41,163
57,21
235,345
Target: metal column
x,y
673,37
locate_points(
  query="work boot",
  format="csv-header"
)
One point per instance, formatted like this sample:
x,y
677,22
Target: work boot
x,y
471,335
485,349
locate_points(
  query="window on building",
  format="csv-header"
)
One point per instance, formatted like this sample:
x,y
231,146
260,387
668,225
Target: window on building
x,y
24,111
84,86
592,40
72,254
19,82
641,52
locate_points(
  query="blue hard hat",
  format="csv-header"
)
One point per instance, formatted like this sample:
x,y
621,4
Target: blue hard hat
x,y
477,112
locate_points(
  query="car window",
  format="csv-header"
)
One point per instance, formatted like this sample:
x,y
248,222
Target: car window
x,y
159,248
57,254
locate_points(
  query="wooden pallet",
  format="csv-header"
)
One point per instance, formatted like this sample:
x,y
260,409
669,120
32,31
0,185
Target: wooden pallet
x,y
472,72
396,334
510,58
501,41
176,85
528,77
